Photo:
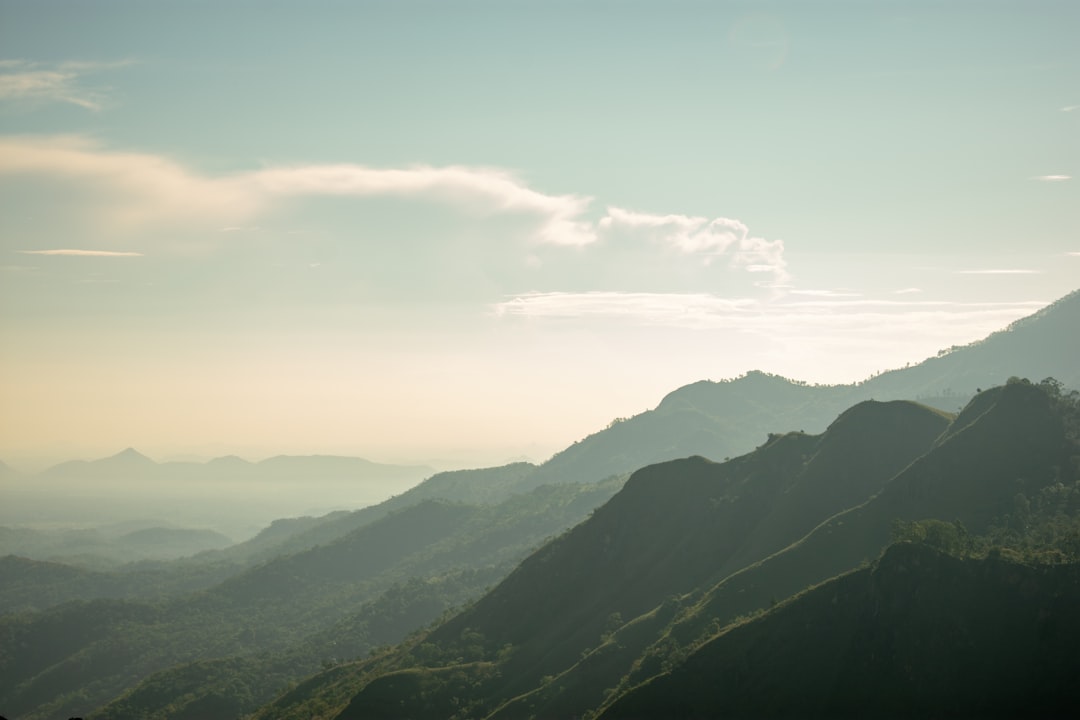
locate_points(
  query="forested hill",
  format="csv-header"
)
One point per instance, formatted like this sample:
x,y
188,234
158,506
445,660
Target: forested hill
x,y
688,547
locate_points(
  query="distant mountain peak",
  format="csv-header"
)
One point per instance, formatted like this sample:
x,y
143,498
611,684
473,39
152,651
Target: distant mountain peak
x,y
129,455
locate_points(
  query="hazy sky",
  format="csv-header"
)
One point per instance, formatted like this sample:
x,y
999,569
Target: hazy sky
x,y
461,232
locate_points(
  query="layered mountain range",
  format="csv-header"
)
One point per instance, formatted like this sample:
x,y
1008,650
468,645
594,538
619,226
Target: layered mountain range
x,y
824,550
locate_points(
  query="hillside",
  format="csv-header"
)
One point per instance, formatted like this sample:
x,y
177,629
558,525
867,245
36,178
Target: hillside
x,y
919,634
628,594
1010,443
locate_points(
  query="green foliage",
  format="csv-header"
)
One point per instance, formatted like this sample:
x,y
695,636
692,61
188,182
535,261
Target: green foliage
x,y
952,538
921,633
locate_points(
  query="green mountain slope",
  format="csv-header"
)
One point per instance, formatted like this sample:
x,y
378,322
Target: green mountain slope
x,y
921,634
673,528
661,552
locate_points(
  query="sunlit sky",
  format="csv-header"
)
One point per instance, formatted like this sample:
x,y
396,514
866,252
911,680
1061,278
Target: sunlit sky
x,y
464,232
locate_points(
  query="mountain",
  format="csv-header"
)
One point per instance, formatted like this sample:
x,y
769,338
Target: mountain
x,y
730,417
1038,346
676,525
689,546
919,634
125,463
1009,443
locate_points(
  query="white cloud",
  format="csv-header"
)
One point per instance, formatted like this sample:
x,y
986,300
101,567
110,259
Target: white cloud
x,y
150,188
825,293
136,188
907,291
1075,254
765,256
649,308
1052,178
82,253
1070,108
999,271
131,191
708,238
775,318
561,222
23,80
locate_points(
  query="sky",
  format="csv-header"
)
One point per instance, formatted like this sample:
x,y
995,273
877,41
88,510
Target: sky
x,y
461,233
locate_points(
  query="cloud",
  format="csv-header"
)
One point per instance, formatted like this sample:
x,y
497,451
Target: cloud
x,y
150,188
648,308
825,293
1074,254
999,271
1052,178
707,238
775,318
1070,108
82,253
135,189
132,191
24,80
907,291
494,190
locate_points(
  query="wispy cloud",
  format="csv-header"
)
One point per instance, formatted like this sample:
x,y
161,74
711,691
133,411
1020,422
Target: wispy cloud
x,y
1074,254
82,253
133,190
907,291
561,222
650,308
1070,108
25,80
708,311
1052,178
707,238
825,293
151,188
999,271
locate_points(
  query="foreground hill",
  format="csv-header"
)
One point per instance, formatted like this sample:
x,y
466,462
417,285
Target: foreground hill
x,y
1011,445
688,547
920,634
